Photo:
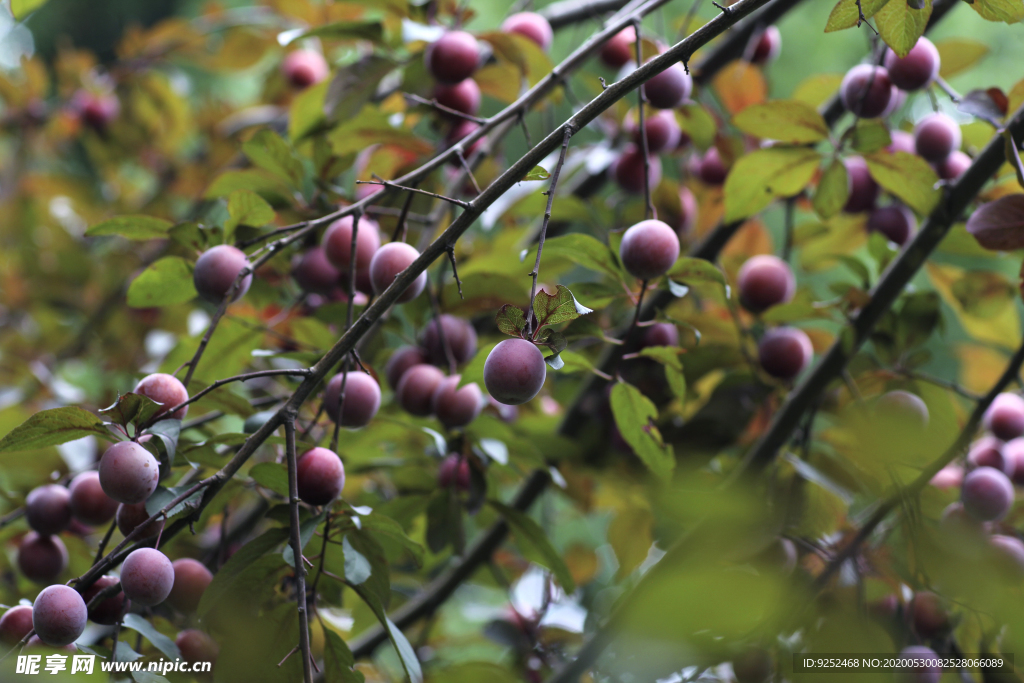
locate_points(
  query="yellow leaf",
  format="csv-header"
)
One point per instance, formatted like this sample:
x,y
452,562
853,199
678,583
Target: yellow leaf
x,y
630,537
959,54
1003,329
980,366
740,85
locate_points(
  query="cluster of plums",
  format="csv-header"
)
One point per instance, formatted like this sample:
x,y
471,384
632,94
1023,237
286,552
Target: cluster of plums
x,y
453,59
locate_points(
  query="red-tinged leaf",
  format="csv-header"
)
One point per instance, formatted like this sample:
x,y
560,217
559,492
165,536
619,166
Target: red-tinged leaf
x,y
999,225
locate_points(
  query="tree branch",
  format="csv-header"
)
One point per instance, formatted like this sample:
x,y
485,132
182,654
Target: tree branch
x,y
296,543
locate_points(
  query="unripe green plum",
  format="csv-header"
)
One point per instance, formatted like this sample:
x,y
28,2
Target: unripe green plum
x,y
89,504
514,371
191,578
321,476
128,472
42,558
147,577
59,615
48,509
166,390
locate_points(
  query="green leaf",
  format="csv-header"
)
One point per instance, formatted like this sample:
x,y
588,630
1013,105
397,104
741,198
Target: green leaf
x,y
166,282
271,475
162,497
845,15
555,341
52,428
761,176
159,640
21,8
245,207
869,135
668,356
785,120
833,190
405,651
339,661
907,176
132,408
132,227
306,529
357,567
389,532
959,54
575,362
696,122
370,29
537,173
535,544
696,271
560,307
1009,11
253,179
583,250
900,26
634,416
354,85
306,113
268,150
226,576
511,320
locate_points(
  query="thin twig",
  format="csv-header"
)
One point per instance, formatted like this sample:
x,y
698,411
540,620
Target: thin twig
x,y
388,183
455,270
441,108
296,543
106,539
644,147
399,234
244,377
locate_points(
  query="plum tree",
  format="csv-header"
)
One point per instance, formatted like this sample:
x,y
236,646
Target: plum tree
x,y
191,577
42,558
768,46
711,169
628,170
216,271
403,358
15,624
936,136
988,452
128,472
456,407
453,57
514,371
929,615
59,615
48,509
458,334
337,245
765,281
649,249
1005,417
415,392
661,334
89,504
147,577
303,68
924,669
863,188
196,646
130,516
532,26
362,399
953,166
896,222
314,273
784,352
321,476
866,91
987,494
917,70
166,390
662,130
388,262
463,96
109,611
670,88
618,50
454,473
